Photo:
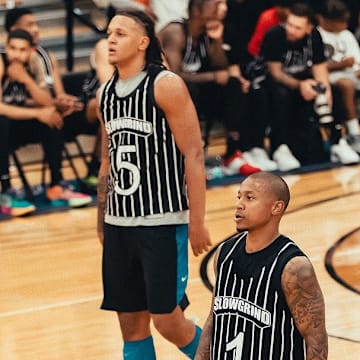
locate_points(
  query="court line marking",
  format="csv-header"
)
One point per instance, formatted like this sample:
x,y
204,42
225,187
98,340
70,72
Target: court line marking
x,y
62,304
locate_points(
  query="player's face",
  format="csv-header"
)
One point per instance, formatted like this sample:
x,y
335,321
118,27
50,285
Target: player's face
x,y
254,206
297,27
214,10
18,50
126,40
28,23
335,26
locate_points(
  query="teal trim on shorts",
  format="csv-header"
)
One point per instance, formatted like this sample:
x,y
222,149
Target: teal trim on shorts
x,y
182,261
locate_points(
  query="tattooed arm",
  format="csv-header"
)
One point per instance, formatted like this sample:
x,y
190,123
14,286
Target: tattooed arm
x,y
204,347
306,303
103,176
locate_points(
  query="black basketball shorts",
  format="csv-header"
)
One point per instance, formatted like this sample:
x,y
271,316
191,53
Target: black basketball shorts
x,y
144,268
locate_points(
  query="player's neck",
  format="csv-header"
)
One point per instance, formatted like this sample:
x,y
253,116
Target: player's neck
x,y
128,70
257,240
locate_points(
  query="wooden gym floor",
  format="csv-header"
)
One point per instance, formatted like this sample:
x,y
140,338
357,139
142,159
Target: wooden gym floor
x,y
50,272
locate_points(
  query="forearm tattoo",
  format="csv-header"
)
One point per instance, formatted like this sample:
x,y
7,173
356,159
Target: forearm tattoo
x,y
203,350
305,300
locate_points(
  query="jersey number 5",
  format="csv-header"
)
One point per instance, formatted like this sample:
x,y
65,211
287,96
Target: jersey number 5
x,y
126,165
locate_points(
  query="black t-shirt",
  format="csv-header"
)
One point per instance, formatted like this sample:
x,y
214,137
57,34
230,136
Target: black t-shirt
x,y
297,57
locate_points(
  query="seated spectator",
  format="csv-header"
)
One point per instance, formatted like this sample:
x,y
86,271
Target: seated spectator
x,y
254,100
193,49
267,19
297,65
343,54
100,72
27,111
70,106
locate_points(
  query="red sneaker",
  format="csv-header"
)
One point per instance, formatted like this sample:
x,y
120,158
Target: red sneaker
x,y
236,164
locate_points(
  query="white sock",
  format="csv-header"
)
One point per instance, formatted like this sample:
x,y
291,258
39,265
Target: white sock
x,y
353,126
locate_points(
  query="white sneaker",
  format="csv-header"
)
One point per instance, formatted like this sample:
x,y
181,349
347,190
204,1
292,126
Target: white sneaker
x,y
260,158
236,164
285,159
343,153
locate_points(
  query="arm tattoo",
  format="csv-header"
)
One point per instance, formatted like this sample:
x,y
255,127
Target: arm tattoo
x,y
203,350
306,303
102,190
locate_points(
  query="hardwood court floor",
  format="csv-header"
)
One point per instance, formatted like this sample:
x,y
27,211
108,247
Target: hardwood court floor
x,y
50,272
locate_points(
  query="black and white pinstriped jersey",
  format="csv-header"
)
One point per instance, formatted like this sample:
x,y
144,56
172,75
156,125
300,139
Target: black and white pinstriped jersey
x,y
13,92
147,174
48,67
250,314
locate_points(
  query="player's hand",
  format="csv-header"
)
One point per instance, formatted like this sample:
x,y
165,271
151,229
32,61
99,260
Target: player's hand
x,y
215,29
307,90
245,85
67,104
101,237
16,71
199,238
49,116
348,62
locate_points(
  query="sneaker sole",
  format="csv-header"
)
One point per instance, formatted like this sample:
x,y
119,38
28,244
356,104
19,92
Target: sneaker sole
x,y
22,211
75,203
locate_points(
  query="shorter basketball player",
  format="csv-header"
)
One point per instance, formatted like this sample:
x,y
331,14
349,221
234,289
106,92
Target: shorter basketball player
x,y
267,303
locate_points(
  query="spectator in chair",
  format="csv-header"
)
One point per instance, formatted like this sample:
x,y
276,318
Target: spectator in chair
x,y
100,72
253,95
194,50
343,54
294,53
27,113
66,104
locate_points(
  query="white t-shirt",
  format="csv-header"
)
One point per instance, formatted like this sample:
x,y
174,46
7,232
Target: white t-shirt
x,y
339,46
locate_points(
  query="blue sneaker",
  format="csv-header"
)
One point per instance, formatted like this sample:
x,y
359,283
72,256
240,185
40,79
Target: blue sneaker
x,y
9,205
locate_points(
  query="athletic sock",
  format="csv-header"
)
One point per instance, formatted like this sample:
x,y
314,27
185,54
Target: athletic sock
x,y
353,127
139,350
190,349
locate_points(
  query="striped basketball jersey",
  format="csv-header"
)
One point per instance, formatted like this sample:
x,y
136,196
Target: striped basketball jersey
x,y
250,313
147,174
13,92
195,54
48,67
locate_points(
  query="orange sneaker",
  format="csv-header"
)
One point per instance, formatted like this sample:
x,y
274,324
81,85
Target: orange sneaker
x,y
74,199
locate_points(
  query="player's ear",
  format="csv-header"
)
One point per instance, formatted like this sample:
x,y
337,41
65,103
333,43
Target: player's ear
x,y
278,207
144,43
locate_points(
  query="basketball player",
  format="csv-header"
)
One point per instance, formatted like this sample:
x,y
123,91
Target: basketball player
x,y
267,302
151,184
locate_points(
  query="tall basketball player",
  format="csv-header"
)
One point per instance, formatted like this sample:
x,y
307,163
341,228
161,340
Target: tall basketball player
x,y
267,301
151,193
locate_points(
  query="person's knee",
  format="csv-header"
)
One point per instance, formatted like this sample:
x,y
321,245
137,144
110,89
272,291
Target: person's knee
x,y
134,326
346,85
165,323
